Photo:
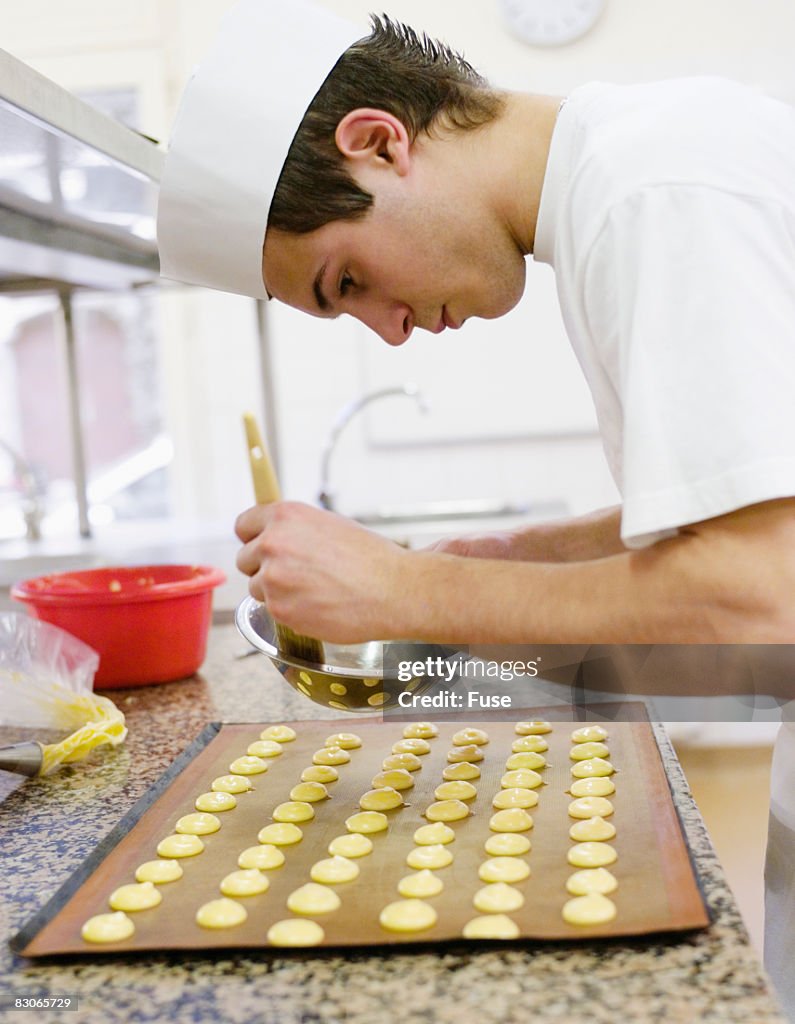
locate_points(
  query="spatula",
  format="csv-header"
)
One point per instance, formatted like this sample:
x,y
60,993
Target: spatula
x,y
266,491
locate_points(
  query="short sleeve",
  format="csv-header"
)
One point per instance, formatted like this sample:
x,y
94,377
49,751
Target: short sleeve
x,y
690,291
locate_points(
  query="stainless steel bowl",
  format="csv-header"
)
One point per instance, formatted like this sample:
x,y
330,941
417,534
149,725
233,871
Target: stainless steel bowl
x,y
353,676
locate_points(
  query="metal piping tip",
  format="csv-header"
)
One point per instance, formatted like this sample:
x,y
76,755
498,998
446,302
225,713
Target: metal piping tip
x,y
21,758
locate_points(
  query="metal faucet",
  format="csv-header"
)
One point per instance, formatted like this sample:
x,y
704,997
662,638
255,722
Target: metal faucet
x,y
30,490
346,414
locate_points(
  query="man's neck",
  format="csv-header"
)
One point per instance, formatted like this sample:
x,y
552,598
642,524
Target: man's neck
x,y
521,140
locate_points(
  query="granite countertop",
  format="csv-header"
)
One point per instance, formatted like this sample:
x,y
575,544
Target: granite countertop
x,y
48,826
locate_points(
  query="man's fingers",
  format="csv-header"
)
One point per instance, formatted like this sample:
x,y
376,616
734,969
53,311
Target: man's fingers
x,y
252,522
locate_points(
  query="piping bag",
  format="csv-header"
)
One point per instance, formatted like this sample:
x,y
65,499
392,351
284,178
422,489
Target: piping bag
x,y
46,682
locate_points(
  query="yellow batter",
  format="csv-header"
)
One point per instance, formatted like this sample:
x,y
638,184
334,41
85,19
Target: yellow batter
x,y
529,745
283,833
594,829
430,835
280,733
200,824
597,786
159,871
420,885
432,857
497,898
334,870
584,751
515,797
521,778
534,728
589,880
455,791
410,762
465,737
179,846
137,896
231,784
507,844
367,822
408,916
108,928
294,810
352,845
383,799
491,926
309,792
512,819
246,882
396,778
263,858
590,806
415,746
313,898
331,756
591,855
215,802
320,773
504,869
223,913
295,932
589,910
593,767
248,765
420,731
464,771
589,734
470,754
526,759
264,748
447,810
344,740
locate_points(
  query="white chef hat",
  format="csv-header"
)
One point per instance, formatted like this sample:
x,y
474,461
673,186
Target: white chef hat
x,y
237,119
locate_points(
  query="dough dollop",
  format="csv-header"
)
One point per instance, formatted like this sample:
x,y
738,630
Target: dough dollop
x,y
534,728
263,858
395,778
447,810
230,784
521,778
465,737
324,773
515,797
264,748
420,885
512,819
246,882
420,731
294,810
367,822
180,846
344,740
216,801
594,829
295,932
353,845
384,799
333,870
331,756
108,928
597,786
417,746
137,896
589,910
491,926
504,869
281,833
200,824
497,898
159,871
507,844
436,856
248,765
591,855
408,916
589,880
280,733
463,771
589,734
222,913
313,898
594,766
589,806
430,835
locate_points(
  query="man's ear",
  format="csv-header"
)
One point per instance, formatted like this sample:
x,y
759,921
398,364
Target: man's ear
x,y
367,135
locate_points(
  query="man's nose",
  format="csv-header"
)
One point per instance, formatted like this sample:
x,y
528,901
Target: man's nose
x,y
394,322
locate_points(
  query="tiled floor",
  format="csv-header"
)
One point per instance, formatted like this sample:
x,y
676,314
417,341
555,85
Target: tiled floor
x,y
731,786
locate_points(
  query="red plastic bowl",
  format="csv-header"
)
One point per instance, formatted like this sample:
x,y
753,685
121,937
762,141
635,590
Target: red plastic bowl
x,y
148,623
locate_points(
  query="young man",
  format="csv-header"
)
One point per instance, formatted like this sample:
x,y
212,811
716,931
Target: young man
x,y
396,186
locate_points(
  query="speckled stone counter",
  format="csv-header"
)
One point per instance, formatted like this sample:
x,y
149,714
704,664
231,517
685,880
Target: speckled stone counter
x,y
48,826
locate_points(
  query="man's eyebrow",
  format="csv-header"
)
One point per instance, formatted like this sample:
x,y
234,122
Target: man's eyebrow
x,y
317,288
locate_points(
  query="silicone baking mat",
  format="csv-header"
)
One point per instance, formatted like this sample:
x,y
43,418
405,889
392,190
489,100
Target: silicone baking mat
x,y
657,889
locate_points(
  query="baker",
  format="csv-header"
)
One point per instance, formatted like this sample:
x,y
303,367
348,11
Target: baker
x,y
382,177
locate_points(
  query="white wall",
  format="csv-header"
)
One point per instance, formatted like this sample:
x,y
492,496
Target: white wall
x,y
209,354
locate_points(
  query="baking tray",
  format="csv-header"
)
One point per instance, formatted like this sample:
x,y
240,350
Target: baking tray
x,y
658,889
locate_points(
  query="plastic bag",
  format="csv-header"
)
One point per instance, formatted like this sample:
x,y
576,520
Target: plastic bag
x,y
46,681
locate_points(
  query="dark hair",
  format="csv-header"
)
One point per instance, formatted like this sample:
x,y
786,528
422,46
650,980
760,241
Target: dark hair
x,y
418,80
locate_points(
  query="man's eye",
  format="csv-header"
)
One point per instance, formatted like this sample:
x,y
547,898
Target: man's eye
x,y
345,283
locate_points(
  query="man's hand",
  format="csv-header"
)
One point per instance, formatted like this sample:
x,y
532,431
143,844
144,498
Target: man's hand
x,y
321,574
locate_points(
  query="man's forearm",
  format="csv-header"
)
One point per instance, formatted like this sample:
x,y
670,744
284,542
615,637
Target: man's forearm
x,y
595,535
726,581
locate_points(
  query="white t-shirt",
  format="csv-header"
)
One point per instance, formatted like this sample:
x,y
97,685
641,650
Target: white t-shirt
x,y
668,215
